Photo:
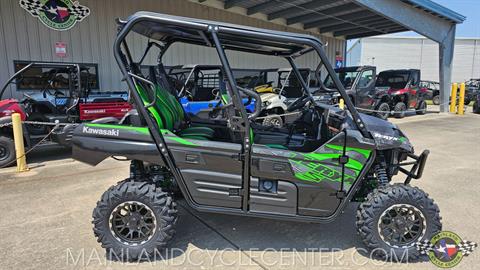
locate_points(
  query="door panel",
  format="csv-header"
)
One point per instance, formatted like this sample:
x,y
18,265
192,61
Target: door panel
x,y
210,170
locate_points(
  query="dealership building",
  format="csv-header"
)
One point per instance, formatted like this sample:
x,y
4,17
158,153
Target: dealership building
x,y
83,31
395,52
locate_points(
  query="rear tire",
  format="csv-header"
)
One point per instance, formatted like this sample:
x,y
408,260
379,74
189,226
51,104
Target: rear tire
x,y
436,100
399,110
7,151
378,216
146,224
422,108
383,111
467,101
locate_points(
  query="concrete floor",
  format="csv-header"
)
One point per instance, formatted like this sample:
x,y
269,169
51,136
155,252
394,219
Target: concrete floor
x,y
46,215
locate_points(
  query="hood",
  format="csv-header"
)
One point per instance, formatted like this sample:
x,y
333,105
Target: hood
x,y
269,96
386,134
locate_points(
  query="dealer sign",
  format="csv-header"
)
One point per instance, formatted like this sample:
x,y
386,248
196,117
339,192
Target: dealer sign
x,y
59,15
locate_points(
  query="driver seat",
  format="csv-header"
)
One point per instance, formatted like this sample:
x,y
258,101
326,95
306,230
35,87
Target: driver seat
x,y
169,114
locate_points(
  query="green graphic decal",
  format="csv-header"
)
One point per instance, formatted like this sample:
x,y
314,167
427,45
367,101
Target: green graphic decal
x,y
325,166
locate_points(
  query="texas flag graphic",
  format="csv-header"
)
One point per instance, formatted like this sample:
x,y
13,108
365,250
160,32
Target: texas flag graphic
x,y
445,250
60,12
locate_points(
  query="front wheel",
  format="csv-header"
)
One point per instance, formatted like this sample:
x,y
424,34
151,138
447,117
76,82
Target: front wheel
x,y
422,108
7,151
436,100
399,110
394,218
383,111
133,220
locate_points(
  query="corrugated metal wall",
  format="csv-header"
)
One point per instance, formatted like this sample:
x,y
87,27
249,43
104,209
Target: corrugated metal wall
x,y
421,53
23,37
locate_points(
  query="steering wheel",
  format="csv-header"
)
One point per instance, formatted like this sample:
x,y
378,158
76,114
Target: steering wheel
x,y
298,103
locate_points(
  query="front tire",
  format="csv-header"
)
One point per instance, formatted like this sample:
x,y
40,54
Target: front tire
x,y
422,108
399,110
383,111
436,100
274,120
394,218
7,151
133,220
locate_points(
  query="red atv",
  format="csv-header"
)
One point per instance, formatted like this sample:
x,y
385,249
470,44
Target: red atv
x,y
51,104
403,89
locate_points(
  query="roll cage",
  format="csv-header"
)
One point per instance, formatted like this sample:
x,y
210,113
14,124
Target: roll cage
x,y
166,30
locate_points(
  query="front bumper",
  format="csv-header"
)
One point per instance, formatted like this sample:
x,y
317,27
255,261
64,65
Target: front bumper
x,y
418,165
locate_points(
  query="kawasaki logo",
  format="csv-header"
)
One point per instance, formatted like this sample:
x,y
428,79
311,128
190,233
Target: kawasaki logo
x,y
108,132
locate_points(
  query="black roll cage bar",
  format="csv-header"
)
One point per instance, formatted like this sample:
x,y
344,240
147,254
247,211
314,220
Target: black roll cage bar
x,y
124,60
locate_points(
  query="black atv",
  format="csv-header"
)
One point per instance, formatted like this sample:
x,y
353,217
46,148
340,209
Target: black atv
x,y
308,172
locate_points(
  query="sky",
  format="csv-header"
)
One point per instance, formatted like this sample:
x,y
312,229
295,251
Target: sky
x,y
468,8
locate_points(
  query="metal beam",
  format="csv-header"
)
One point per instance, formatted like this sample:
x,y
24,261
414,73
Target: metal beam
x,y
293,11
262,6
446,49
325,14
346,26
340,19
410,17
373,33
231,3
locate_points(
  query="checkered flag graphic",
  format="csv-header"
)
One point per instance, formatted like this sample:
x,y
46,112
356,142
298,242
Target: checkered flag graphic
x,y
425,246
32,6
80,11
467,247
35,6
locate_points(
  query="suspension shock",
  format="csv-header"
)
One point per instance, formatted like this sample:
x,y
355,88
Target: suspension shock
x,y
381,174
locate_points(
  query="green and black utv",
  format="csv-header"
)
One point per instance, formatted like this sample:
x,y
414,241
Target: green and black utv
x,y
309,171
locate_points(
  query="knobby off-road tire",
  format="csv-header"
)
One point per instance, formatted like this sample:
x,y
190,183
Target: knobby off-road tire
x,y
399,110
383,111
7,151
378,203
150,199
436,100
421,108
274,120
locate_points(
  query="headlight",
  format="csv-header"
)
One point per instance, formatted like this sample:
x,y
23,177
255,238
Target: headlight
x,y
266,103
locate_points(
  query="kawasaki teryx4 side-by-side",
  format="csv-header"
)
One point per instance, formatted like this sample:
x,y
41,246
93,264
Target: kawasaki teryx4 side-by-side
x,y
308,172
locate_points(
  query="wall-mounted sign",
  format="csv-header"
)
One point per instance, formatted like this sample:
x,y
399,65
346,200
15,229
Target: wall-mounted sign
x,y
60,49
338,61
56,14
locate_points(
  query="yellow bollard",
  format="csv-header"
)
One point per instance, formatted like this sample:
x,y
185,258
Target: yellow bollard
x,y
341,104
453,98
461,100
19,147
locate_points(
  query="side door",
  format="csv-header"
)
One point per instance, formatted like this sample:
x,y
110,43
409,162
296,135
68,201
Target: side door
x,y
364,88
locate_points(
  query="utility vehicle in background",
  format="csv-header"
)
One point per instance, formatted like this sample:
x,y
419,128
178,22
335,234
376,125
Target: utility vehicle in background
x,y
64,96
403,89
472,90
432,89
359,83
307,172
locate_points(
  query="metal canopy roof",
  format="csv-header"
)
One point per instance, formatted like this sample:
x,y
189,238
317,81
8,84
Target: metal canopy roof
x,y
344,18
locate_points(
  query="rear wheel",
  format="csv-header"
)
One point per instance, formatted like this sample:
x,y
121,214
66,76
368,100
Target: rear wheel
x,y
383,111
399,110
467,101
394,218
436,100
422,108
7,151
133,220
